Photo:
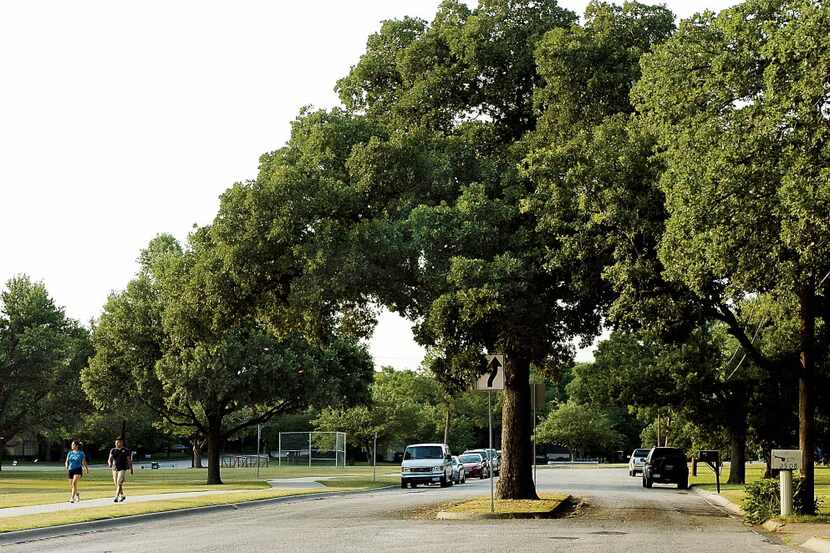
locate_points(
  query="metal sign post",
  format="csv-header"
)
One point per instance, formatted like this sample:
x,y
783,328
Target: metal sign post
x,y
374,458
537,396
258,437
786,461
493,379
712,458
490,447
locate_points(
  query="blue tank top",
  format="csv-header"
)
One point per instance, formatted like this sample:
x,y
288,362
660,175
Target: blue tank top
x,y
75,459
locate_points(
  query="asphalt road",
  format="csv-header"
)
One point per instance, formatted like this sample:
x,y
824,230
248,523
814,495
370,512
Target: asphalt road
x,y
618,516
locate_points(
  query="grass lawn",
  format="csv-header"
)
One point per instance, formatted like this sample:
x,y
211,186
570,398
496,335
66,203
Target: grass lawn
x,y
125,509
735,492
20,488
546,503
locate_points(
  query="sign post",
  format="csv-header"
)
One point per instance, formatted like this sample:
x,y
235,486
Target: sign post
x,y
537,396
258,437
374,458
493,379
712,458
786,461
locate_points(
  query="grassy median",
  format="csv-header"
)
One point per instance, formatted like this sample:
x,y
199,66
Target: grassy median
x,y
547,503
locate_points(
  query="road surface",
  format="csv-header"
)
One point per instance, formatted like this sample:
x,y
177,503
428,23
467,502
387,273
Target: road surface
x,y
619,516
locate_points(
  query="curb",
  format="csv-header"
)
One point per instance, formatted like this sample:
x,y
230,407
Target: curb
x,y
819,545
553,513
719,501
772,525
47,532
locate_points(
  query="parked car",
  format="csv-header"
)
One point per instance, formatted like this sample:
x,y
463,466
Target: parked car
x,y
475,465
666,465
426,464
459,473
636,462
493,460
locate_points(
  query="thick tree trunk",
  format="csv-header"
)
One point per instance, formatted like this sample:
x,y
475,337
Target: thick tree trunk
x,y
516,476
806,407
736,419
213,443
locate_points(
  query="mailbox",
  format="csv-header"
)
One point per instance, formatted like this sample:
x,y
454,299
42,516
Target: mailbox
x,y
785,459
711,456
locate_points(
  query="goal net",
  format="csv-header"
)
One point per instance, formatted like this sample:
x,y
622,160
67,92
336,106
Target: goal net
x,y
312,449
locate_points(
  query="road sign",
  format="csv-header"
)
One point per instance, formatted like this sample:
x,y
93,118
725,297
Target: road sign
x,y
493,379
785,459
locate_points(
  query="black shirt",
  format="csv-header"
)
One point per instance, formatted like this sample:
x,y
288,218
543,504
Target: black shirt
x,y
120,458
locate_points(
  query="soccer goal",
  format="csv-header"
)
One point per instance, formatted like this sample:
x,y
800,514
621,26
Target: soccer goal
x,y
311,449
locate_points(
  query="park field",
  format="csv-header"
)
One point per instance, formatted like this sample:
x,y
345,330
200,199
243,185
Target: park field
x,y
21,488
735,492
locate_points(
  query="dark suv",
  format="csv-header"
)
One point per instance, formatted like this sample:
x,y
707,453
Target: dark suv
x,y
666,465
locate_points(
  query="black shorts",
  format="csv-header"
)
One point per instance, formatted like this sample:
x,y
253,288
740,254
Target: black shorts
x,y
73,472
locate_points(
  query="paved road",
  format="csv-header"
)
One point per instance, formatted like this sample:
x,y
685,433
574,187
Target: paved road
x,y
620,516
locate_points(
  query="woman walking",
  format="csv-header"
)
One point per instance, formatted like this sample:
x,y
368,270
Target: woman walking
x,y
76,465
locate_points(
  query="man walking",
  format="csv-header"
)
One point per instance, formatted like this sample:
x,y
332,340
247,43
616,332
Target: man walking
x,y
120,460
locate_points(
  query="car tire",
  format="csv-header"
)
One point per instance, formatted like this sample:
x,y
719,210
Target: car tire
x,y
413,485
403,483
443,482
683,484
631,473
481,475
648,482
464,478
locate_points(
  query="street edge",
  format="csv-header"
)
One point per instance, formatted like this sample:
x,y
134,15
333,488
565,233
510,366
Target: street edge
x,y
48,532
553,513
719,502
819,545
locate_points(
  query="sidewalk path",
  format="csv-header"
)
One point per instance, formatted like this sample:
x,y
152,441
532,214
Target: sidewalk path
x,y
103,502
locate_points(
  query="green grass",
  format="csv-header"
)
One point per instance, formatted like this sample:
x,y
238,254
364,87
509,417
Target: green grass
x,y
546,503
735,492
10,524
20,488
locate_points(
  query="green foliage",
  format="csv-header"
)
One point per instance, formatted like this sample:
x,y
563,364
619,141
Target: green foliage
x,y
408,407
41,353
763,501
181,341
581,428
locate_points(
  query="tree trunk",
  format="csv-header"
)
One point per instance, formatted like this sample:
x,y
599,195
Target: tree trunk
x,y
447,425
737,448
516,476
214,439
198,445
736,426
806,408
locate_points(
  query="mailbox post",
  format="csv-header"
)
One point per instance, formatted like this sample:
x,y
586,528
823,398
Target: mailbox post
x,y
786,461
712,458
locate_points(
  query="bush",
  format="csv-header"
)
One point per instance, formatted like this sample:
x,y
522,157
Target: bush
x,y
762,501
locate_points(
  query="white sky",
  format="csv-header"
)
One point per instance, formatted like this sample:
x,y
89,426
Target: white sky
x,y
120,120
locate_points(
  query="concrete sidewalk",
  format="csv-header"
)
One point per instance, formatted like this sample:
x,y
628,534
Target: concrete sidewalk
x,y
285,483
103,502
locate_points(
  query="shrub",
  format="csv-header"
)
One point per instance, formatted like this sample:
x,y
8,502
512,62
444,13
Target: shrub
x,y
762,501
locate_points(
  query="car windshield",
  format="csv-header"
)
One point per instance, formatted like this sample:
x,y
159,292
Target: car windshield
x,y
641,452
423,452
470,458
668,455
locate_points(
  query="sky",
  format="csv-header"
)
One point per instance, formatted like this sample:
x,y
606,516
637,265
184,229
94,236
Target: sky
x,y
121,120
